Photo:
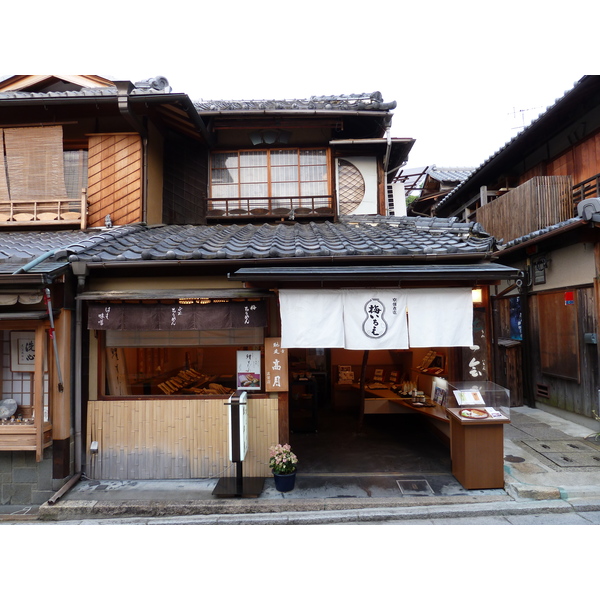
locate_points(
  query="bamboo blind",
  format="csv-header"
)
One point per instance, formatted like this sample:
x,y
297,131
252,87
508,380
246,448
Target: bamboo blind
x,y
538,203
114,179
175,439
34,161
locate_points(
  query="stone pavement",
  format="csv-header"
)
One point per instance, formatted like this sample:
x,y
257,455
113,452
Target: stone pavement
x,y
551,464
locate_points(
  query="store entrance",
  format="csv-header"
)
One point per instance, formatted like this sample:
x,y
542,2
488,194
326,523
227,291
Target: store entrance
x,y
330,434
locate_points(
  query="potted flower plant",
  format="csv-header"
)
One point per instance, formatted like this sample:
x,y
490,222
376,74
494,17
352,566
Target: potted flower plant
x,y
282,462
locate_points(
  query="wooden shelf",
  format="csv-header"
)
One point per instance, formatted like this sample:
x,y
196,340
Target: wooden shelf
x,y
22,436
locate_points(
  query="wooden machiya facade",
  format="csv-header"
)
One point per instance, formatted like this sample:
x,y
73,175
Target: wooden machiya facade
x,y
539,196
78,154
163,315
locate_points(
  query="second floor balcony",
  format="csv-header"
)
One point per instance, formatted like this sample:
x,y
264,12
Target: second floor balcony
x,y
534,205
61,212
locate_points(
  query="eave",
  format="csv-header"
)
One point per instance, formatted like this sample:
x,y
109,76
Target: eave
x,y
388,273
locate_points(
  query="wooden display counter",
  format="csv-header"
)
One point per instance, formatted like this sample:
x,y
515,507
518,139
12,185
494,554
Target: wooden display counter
x,y
389,397
477,450
476,445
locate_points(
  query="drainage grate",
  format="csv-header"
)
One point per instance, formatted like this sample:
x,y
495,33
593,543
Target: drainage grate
x,y
566,453
415,487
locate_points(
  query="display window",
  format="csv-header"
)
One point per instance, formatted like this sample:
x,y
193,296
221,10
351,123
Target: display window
x,y
175,363
19,355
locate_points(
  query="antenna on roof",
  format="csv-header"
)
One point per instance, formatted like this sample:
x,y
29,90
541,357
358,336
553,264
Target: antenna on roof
x,y
520,112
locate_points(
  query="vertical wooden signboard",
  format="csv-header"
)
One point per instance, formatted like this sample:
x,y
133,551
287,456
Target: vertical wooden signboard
x,y
276,366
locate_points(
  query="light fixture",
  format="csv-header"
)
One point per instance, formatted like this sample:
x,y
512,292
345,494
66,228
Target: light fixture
x,y
477,295
269,137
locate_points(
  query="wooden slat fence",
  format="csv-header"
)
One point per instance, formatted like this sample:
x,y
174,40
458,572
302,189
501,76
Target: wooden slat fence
x,y
538,203
175,438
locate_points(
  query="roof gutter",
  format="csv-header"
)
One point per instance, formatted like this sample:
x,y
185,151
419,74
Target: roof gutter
x,y
331,260
397,275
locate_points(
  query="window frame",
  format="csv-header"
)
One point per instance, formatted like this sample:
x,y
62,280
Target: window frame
x,y
270,167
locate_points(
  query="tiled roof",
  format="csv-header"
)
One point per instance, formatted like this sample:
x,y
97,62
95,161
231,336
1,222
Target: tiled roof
x,y
556,228
353,102
402,237
157,85
448,174
20,248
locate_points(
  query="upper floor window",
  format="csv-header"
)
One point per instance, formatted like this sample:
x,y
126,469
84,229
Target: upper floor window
x,y
298,176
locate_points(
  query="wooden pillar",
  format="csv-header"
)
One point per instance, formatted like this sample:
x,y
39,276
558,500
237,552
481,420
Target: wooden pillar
x,y
38,392
283,413
60,398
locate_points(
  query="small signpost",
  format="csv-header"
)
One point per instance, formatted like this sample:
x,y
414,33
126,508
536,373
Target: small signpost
x,y
238,486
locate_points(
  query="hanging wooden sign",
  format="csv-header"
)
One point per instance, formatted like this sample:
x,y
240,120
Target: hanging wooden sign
x,y
276,366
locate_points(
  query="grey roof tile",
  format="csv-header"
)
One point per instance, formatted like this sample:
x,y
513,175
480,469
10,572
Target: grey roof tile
x,y
535,234
449,174
386,236
355,102
352,237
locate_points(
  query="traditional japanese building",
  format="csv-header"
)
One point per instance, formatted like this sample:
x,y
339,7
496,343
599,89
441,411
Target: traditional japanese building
x,y
221,247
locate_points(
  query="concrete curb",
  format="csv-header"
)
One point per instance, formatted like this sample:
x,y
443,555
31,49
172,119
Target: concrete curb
x,y
98,509
365,515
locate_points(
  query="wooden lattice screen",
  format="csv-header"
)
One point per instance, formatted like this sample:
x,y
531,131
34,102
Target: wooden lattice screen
x,y
351,187
114,179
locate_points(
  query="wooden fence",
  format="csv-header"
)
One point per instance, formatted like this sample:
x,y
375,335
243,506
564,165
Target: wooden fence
x,y
538,203
175,438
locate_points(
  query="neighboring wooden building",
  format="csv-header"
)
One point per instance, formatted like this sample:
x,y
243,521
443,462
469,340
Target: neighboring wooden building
x,y
538,195
192,224
78,153
433,185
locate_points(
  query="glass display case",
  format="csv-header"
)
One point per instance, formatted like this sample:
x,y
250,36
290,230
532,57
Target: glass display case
x,y
478,411
481,395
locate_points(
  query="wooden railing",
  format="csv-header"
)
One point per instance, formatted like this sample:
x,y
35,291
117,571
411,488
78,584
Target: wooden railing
x,y
290,207
590,188
65,211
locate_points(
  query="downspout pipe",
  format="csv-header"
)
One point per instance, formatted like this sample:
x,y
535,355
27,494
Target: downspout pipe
x,y
388,150
48,300
78,377
36,261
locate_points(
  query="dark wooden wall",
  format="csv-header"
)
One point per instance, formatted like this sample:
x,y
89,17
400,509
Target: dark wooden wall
x,y
185,185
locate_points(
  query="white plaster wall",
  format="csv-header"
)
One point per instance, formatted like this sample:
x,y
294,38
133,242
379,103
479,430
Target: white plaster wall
x,y
367,165
570,266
